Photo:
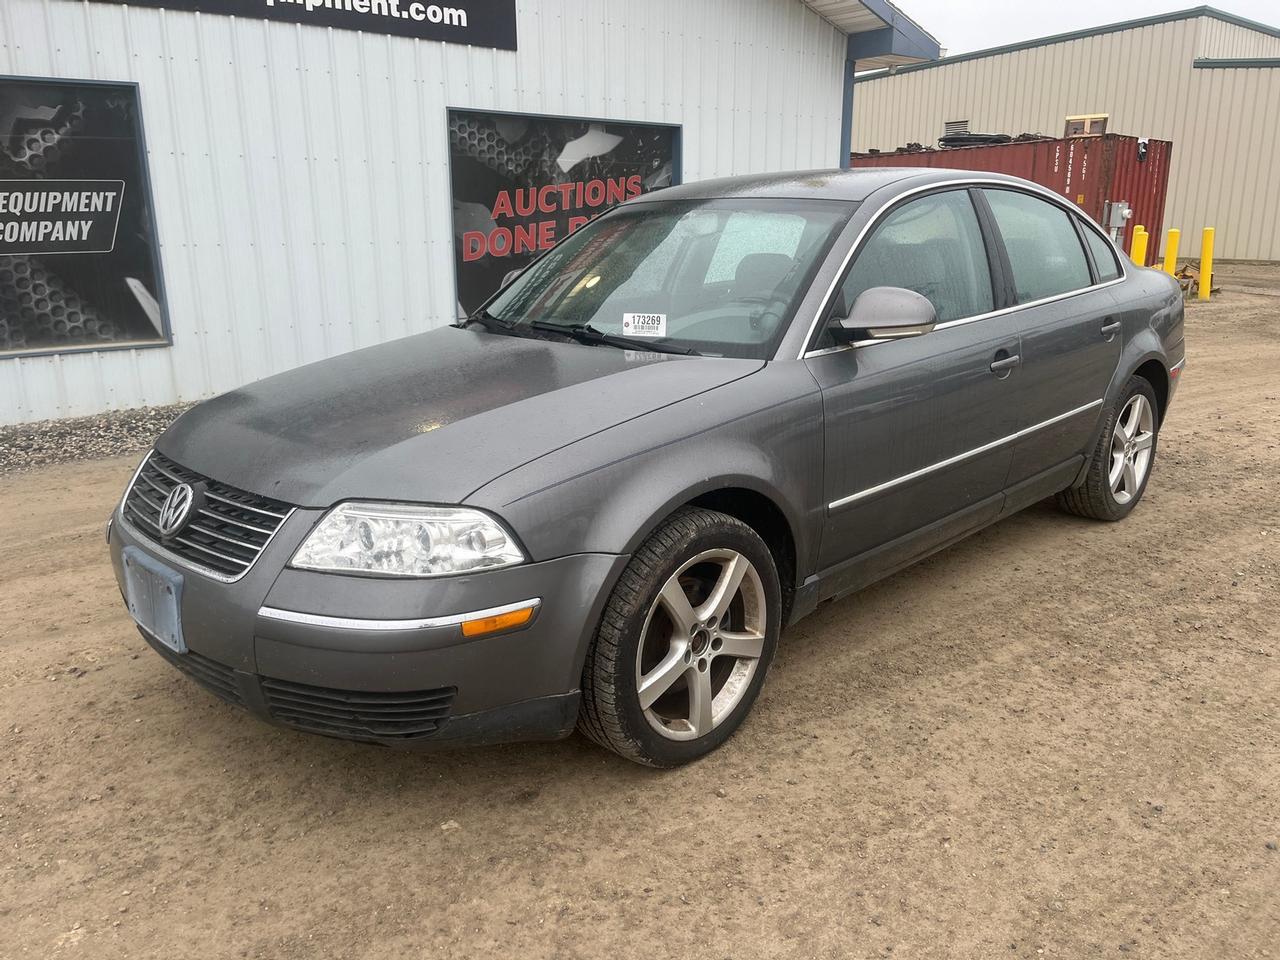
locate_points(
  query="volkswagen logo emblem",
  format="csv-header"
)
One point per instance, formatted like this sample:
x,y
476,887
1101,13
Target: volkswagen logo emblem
x,y
176,508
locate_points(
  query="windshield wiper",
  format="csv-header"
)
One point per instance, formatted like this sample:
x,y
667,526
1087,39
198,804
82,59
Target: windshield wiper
x,y
486,318
586,333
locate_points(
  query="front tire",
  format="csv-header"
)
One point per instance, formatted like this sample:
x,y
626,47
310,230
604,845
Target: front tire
x,y
684,642
1122,460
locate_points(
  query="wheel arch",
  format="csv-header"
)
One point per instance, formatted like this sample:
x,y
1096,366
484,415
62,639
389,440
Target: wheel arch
x,y
1154,372
755,504
1146,361
766,518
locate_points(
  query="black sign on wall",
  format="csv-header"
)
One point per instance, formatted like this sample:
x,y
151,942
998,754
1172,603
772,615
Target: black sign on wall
x,y
79,267
59,216
481,23
521,183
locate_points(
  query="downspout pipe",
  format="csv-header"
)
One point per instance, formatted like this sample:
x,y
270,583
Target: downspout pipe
x,y
846,110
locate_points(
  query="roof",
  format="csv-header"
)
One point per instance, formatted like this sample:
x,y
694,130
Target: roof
x,y
849,185
1188,14
849,16
891,38
1236,63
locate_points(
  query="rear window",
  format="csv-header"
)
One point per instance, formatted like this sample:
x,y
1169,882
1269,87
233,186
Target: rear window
x,y
1043,247
1104,255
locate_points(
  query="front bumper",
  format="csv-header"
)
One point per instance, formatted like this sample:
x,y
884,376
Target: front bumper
x,y
401,687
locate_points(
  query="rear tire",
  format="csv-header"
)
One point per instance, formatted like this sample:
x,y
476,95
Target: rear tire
x,y
1122,459
684,642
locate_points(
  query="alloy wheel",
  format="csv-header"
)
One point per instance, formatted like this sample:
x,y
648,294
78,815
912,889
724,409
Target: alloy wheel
x,y
1131,444
701,644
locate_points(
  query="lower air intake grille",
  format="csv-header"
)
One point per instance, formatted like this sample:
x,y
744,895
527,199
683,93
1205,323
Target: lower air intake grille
x,y
213,676
227,531
356,715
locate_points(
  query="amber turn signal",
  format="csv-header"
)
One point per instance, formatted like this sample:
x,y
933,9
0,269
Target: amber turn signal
x,y
502,621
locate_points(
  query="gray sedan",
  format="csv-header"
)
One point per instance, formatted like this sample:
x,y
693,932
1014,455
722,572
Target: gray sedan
x,y
598,501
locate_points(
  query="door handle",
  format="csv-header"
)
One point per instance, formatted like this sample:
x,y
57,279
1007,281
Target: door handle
x,y
1003,364
1111,328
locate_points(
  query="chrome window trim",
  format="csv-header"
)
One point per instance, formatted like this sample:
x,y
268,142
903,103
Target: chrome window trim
x,y
159,548
359,623
879,215
951,461
974,319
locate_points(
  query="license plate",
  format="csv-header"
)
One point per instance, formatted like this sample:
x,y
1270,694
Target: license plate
x,y
154,595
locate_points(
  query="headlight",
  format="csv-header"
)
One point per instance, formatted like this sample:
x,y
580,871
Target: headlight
x,y
404,540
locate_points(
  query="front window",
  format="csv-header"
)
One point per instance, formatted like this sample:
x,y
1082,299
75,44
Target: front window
x,y
716,277
933,246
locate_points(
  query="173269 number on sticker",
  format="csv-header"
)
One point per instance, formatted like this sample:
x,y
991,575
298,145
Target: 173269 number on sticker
x,y
644,324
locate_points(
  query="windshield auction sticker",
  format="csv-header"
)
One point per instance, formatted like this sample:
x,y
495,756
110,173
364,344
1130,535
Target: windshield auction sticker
x,y
59,216
644,324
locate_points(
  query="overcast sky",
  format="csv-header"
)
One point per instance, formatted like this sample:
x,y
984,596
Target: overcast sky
x,y
977,24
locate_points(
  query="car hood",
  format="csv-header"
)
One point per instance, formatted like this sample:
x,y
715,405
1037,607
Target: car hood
x,y
429,418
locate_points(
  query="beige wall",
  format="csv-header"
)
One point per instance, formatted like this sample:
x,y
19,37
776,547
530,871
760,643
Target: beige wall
x,y
1221,121
1222,40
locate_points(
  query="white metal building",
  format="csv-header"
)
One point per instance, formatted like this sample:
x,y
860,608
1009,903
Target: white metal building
x,y
299,173
1207,80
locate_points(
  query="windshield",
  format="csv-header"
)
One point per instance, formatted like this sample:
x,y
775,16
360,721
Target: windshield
x,y
720,277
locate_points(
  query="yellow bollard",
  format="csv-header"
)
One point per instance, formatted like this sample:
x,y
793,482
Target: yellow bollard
x,y
1138,247
1171,251
1206,263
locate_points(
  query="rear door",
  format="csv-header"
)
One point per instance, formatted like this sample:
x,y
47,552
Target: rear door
x,y
916,430
1069,323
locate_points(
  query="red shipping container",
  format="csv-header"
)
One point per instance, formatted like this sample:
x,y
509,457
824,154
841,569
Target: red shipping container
x,y
1088,171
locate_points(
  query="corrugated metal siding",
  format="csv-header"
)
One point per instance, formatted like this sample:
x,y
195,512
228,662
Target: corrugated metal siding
x,y
1031,91
300,175
1234,184
1221,122
1226,40
1144,185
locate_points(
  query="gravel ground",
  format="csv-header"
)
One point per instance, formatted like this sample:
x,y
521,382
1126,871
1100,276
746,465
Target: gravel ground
x,y
116,434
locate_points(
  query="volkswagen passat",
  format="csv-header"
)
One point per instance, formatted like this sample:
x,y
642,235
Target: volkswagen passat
x,y
598,500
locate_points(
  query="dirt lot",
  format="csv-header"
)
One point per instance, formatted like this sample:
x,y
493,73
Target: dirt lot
x,y
1060,739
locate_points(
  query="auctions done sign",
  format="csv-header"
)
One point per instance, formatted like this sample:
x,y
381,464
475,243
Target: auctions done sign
x,y
480,23
523,183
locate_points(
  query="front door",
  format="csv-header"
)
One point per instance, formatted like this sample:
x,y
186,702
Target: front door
x,y
917,431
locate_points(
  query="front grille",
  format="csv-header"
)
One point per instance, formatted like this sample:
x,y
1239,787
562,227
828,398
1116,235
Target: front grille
x,y
355,715
213,676
229,530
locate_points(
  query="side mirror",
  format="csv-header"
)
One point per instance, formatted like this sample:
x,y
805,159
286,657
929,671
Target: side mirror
x,y
887,313
509,276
